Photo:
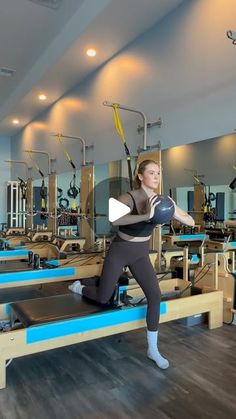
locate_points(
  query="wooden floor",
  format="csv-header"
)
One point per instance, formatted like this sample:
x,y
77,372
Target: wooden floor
x,y
112,378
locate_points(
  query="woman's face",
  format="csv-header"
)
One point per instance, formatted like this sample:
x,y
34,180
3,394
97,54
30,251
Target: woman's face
x,y
151,176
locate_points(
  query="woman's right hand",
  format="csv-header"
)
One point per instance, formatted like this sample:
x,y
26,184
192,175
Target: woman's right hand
x,y
153,202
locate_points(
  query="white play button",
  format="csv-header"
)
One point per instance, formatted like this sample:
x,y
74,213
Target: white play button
x,y
117,210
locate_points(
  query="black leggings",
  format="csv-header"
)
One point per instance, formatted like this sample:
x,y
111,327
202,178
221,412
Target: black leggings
x,y
135,255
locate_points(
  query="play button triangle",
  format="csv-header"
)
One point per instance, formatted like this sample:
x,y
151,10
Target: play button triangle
x,y
117,210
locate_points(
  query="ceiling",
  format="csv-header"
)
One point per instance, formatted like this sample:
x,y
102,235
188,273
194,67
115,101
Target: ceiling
x,y
46,45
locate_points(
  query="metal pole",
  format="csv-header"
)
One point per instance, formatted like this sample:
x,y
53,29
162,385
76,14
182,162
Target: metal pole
x,y
74,138
42,152
126,108
21,162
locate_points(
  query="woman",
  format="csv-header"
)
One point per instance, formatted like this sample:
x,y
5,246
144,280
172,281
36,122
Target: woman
x,y
131,248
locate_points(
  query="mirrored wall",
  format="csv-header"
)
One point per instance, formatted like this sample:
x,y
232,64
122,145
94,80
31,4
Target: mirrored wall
x,y
221,199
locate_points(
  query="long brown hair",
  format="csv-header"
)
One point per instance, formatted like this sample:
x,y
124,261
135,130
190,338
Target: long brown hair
x,y
140,169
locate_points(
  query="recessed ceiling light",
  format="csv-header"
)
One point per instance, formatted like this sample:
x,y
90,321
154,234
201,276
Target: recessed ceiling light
x,y
15,121
91,52
42,97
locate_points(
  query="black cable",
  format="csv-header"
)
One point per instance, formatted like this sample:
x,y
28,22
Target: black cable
x,y
77,257
128,158
163,276
69,261
231,321
73,190
136,304
63,203
43,192
59,193
23,187
195,282
201,270
233,184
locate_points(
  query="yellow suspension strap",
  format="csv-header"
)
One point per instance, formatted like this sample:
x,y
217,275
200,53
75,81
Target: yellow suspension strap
x,y
73,190
120,132
43,191
43,194
66,152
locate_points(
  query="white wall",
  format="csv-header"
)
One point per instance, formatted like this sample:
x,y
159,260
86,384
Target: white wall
x,y
214,159
183,70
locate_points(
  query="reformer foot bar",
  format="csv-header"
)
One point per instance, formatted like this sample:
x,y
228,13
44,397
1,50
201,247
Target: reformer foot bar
x,y
54,322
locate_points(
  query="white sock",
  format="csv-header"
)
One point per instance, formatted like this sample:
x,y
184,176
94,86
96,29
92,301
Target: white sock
x,y
153,353
76,287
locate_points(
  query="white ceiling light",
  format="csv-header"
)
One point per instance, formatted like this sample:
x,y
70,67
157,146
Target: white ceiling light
x,y
15,121
53,4
42,97
91,52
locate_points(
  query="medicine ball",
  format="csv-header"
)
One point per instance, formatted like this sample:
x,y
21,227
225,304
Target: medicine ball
x,y
164,210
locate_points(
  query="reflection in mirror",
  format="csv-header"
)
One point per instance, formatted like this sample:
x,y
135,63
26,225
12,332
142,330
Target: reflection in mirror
x,y
39,193
219,198
68,199
65,201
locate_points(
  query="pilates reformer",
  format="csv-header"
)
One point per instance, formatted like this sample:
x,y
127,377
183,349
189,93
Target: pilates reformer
x,y
53,322
219,256
54,271
195,240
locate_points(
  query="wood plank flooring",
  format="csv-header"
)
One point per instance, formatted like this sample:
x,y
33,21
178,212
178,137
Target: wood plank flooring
x,y
111,378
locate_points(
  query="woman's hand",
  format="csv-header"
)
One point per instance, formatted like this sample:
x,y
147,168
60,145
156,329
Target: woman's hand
x,y
152,202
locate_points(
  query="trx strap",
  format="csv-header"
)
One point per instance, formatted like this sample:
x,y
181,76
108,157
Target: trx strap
x,y
209,212
232,184
35,165
43,195
23,188
59,193
43,191
66,153
120,132
73,189
73,193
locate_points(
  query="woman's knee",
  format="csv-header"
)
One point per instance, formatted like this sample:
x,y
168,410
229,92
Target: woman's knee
x,y
103,300
154,297
105,297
